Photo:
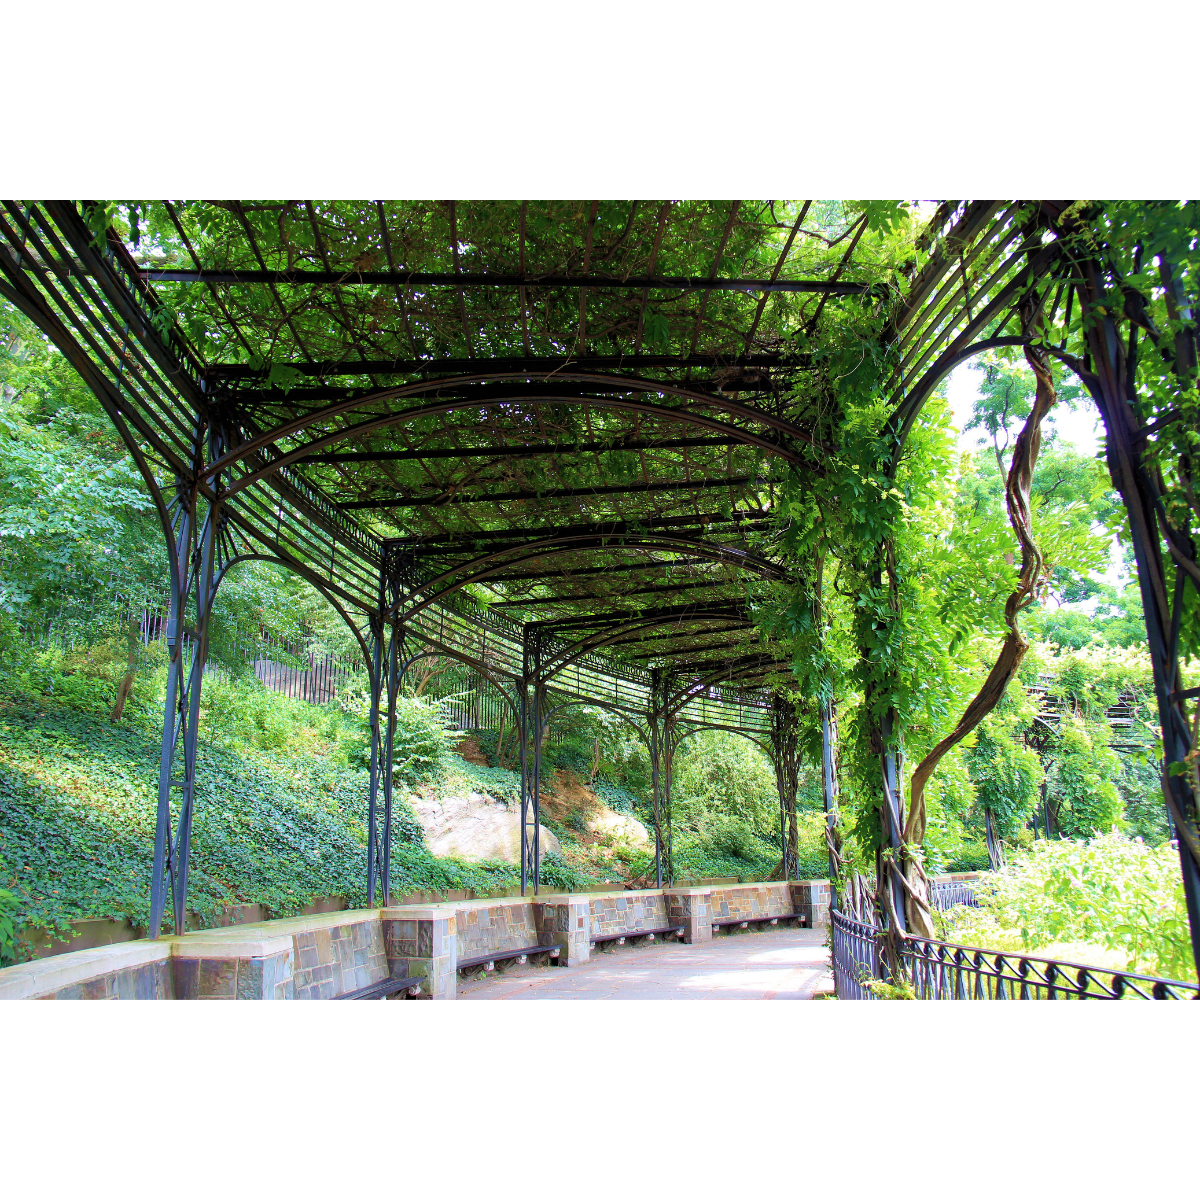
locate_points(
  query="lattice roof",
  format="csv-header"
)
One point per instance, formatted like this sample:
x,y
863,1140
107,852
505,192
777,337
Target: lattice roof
x,y
573,411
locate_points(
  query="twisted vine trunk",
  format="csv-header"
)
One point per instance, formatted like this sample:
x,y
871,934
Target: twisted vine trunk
x,y
1032,578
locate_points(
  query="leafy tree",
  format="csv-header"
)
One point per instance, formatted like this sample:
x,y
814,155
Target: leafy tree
x,y
1084,799
723,789
1072,898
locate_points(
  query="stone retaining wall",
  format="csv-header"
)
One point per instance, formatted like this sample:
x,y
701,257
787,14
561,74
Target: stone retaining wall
x,y
487,926
321,956
751,900
625,912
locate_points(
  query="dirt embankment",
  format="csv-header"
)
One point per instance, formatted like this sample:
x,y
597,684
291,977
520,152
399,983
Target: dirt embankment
x,y
591,836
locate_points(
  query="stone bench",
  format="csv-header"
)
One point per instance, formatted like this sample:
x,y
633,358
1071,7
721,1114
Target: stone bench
x,y
745,922
634,935
412,950
488,961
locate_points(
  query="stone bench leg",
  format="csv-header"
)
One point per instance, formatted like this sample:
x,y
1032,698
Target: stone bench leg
x,y
564,921
423,943
810,901
691,908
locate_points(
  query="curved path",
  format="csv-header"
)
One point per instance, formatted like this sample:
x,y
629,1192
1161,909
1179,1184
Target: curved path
x,y
783,964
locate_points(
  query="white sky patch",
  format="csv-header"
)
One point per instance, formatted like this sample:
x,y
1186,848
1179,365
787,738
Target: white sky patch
x,y
1080,428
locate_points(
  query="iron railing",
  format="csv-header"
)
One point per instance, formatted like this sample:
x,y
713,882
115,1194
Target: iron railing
x,y
952,894
943,971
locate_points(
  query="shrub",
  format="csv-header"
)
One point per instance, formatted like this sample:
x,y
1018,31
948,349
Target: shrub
x,y
1084,797
1112,891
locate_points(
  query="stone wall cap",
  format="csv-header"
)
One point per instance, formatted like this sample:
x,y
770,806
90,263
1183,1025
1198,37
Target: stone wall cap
x,y
688,891
201,945
622,892
419,912
45,975
490,902
289,926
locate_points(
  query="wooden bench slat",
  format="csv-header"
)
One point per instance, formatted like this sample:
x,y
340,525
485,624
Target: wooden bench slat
x,y
504,955
385,987
632,933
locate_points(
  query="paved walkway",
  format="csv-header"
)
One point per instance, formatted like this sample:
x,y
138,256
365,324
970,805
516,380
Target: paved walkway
x,y
784,964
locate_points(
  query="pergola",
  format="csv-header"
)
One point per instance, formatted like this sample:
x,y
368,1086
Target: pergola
x,y
545,438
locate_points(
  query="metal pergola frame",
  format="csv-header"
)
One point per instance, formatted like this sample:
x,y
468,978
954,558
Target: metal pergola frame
x,y
453,473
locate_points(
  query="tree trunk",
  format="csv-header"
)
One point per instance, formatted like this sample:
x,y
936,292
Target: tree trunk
x,y
126,685
1033,577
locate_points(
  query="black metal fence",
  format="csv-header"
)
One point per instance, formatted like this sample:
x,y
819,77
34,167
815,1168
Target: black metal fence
x,y
855,956
943,971
951,895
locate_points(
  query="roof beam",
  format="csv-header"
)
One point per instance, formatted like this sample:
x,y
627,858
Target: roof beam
x,y
719,608
622,489
619,640
574,572
518,451
692,636
614,528
535,363
567,598
669,283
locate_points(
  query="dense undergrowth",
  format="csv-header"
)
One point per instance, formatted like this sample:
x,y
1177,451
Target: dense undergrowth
x,y
1111,901
281,801
280,804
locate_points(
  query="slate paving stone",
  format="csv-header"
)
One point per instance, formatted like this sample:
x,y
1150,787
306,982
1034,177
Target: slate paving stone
x,y
782,964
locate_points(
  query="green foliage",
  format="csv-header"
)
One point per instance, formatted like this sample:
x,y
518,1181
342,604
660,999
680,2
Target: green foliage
x,y
9,908
1113,892
720,777
1080,777
280,811
1007,775
422,736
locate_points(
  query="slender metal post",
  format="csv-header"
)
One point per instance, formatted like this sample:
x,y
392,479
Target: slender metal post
x,y
657,725
204,596
532,708
655,785
523,743
193,575
180,584
666,871
829,793
539,706
377,683
784,738
893,825
395,644
993,846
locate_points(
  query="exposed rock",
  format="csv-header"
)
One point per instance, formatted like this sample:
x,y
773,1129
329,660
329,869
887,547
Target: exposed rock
x,y
474,827
614,826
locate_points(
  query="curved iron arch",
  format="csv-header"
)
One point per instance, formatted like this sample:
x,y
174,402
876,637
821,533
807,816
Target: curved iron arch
x,y
308,577
594,642
686,695
906,413
734,408
699,727
601,704
465,659
549,547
